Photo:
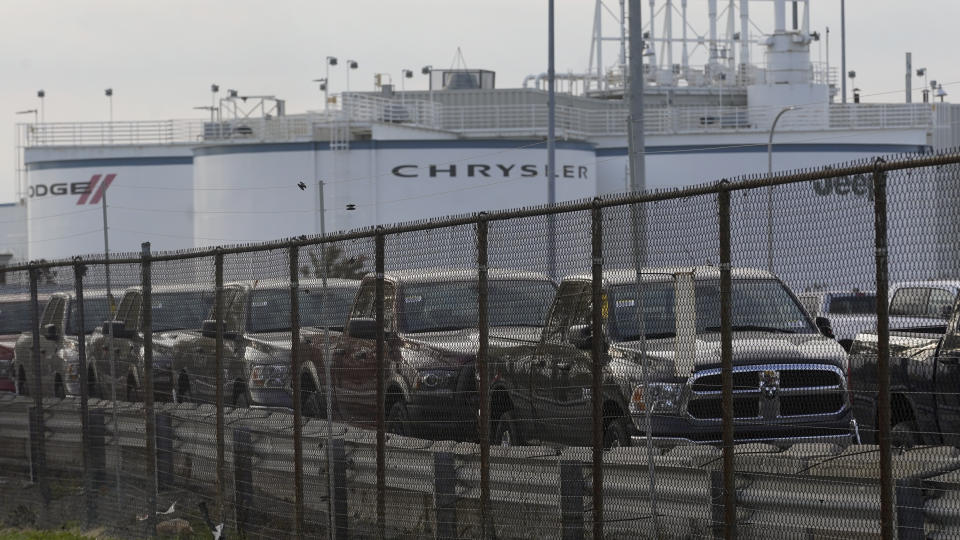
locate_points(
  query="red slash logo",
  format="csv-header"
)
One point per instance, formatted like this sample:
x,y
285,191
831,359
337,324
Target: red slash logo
x,y
97,188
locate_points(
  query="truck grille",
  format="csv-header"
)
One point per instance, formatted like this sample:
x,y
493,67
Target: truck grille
x,y
769,392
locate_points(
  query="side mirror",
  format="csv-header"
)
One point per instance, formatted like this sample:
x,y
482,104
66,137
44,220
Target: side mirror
x,y
209,329
362,328
117,329
823,324
51,332
581,336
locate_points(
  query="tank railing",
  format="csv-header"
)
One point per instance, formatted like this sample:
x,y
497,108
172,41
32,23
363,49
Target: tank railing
x,y
478,120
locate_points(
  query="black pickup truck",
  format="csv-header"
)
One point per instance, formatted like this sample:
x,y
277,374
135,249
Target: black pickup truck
x,y
789,378
924,378
431,346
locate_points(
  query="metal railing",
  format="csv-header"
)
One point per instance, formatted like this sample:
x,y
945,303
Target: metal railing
x,y
361,110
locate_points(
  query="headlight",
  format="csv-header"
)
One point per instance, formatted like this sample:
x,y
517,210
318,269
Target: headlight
x,y
435,379
270,376
68,354
659,398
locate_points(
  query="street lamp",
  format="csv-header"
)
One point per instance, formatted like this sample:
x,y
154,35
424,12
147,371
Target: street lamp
x,y
41,94
770,188
405,74
428,71
325,82
351,64
109,93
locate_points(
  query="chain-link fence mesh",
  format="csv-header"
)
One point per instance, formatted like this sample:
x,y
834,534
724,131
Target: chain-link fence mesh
x,y
758,357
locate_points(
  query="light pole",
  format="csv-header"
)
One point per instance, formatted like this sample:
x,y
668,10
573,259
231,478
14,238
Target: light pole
x,y
770,188
109,93
351,64
404,74
41,94
331,61
428,71
34,112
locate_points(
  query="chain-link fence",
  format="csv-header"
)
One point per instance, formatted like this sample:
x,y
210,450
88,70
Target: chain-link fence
x,y
770,356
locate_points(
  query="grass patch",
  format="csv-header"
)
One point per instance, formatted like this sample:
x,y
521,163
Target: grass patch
x,y
32,534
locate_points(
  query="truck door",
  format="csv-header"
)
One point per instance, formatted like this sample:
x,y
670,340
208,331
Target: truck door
x,y
557,370
948,381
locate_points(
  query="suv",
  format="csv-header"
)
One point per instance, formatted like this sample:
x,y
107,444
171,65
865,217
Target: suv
x,y
849,312
173,308
789,378
59,335
322,314
255,315
430,319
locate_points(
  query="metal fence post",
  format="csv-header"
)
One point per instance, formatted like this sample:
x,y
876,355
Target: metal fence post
x,y
381,398
883,351
295,379
242,477
483,372
38,462
151,427
596,220
218,359
164,450
726,364
571,500
341,521
445,494
80,270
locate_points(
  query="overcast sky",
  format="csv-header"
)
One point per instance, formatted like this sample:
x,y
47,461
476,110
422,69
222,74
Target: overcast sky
x,y
160,57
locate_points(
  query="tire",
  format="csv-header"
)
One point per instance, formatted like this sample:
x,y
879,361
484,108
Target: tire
x,y
241,398
133,393
615,435
58,390
93,390
312,404
22,388
904,435
398,420
181,390
506,432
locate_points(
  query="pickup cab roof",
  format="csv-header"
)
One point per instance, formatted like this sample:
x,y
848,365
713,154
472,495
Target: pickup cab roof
x,y
428,275
621,276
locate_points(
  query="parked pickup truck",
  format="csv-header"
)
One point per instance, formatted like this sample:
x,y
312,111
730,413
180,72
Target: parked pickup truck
x,y
59,335
431,346
789,379
16,314
173,308
924,380
268,358
256,315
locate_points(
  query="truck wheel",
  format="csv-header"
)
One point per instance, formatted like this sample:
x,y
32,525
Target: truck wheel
x,y
312,404
904,435
241,399
58,390
615,435
133,394
506,433
398,419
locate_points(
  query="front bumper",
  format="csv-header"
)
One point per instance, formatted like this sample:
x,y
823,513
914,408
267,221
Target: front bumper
x,y
271,397
841,429
442,415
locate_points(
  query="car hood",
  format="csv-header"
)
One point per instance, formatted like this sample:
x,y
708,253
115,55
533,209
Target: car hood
x,y
748,348
458,347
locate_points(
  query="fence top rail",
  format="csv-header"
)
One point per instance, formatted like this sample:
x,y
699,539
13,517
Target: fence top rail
x,y
874,166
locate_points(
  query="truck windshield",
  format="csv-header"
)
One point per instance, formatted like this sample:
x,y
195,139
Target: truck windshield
x,y
15,317
180,310
760,305
452,305
270,308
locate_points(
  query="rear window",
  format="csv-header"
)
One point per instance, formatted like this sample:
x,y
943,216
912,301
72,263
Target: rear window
x,y
923,302
854,304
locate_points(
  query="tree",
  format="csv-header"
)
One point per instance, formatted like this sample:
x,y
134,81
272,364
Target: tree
x,y
338,264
